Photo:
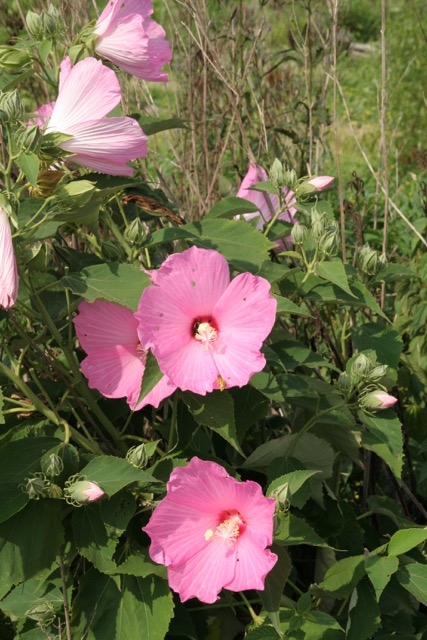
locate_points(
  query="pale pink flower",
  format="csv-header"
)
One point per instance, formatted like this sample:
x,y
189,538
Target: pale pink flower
x,y
115,361
377,400
93,492
211,532
205,331
87,93
8,269
131,40
321,183
267,203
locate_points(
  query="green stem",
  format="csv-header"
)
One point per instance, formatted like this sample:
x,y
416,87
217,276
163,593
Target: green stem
x,y
310,424
256,619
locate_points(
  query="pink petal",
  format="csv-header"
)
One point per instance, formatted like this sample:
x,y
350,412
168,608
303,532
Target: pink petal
x,y
107,145
267,203
252,565
116,372
163,389
89,92
8,270
102,324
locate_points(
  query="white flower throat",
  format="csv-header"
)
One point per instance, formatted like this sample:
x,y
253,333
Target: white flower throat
x,y
205,332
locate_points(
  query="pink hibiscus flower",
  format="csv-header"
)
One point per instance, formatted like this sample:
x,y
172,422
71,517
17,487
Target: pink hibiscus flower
x,y
267,203
8,269
205,331
131,40
115,361
87,93
211,532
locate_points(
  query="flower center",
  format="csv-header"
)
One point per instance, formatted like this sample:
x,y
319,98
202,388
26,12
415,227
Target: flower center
x,y
205,331
231,525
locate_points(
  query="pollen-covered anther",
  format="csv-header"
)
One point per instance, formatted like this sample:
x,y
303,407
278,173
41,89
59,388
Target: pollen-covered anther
x,y
231,526
206,334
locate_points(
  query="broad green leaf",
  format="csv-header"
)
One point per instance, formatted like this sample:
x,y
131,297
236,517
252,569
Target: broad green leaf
x,y
20,458
291,530
274,585
287,487
342,577
386,342
267,384
29,541
170,234
152,375
91,538
216,411
272,271
231,206
334,272
364,613
29,164
12,500
264,632
287,306
95,607
413,577
120,283
384,437
244,247
140,566
294,354
249,406
29,594
112,474
405,540
145,609
379,570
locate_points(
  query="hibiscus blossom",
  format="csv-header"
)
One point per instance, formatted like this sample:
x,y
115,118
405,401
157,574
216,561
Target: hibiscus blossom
x,y
205,330
8,269
115,361
87,93
131,40
211,532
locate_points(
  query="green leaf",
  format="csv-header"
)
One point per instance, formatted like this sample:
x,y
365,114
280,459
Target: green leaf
x,y
287,306
386,341
249,406
288,487
274,584
152,125
29,594
120,283
170,234
364,613
29,541
242,245
20,458
29,165
267,384
91,538
292,530
230,207
405,540
384,437
294,354
413,577
379,570
152,375
112,474
216,411
140,566
12,500
342,577
334,272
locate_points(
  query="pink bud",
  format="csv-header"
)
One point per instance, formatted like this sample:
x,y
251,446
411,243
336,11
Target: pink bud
x,y
8,269
321,183
93,492
377,400
386,400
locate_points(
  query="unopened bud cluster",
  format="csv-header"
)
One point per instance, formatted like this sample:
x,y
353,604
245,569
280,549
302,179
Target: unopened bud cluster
x,y
362,378
371,262
45,25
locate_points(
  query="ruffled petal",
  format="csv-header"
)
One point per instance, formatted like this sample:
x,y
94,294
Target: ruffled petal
x,y
102,324
8,270
253,562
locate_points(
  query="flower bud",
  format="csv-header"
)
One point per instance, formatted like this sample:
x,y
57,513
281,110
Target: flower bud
x,y
51,465
32,21
135,233
299,233
277,174
51,23
321,183
370,261
13,59
54,491
376,400
10,106
318,224
137,456
361,366
329,243
30,139
78,491
36,486
377,372
344,382
42,612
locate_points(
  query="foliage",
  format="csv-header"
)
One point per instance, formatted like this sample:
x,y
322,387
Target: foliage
x,y
348,473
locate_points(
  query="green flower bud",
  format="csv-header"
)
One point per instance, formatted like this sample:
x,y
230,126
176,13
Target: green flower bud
x,y
10,106
318,224
277,174
329,243
30,139
344,382
37,486
299,233
51,23
377,372
378,399
13,59
361,367
135,233
137,456
32,21
51,465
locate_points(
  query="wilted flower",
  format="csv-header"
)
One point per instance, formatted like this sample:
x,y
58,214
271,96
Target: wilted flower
x,y
377,400
205,331
115,361
131,40
211,532
267,203
87,93
8,269
79,491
